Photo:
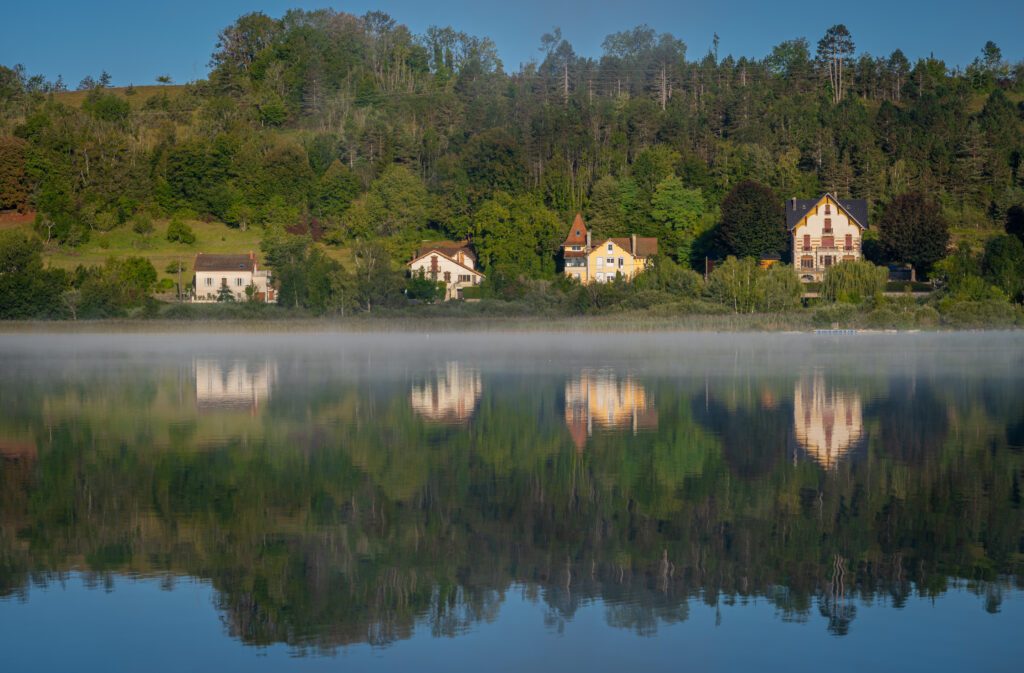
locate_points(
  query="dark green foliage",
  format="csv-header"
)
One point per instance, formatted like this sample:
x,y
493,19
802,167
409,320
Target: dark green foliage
x,y
27,290
15,185
106,106
1015,222
1003,265
753,223
420,288
913,229
178,231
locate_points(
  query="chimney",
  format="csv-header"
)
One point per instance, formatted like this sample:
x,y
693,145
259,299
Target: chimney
x,y
632,243
588,240
794,203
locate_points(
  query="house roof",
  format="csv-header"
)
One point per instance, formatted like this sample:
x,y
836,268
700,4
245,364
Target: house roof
x,y
423,252
577,233
796,209
645,246
206,262
447,248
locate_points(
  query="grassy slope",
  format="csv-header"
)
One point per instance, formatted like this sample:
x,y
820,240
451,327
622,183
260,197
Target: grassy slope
x,y
142,93
211,237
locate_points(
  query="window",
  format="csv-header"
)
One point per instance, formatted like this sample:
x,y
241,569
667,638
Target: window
x,y
465,278
576,248
610,248
828,241
223,281
622,261
447,276
611,261
849,241
828,208
806,262
577,232
828,225
238,282
807,241
600,277
827,261
209,282
600,262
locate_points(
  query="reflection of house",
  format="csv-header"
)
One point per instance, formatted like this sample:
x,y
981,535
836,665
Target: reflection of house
x,y
450,397
233,384
828,422
598,398
235,272
589,263
449,261
17,449
825,231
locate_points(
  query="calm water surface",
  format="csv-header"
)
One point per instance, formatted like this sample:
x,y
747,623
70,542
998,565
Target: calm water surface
x,y
511,502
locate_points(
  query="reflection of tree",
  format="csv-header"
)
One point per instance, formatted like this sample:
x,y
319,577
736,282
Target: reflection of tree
x,y
347,519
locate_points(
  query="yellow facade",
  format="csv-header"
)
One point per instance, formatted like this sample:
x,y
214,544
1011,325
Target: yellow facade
x,y
607,260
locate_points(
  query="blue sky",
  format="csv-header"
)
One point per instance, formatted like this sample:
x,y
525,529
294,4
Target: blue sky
x,y
136,41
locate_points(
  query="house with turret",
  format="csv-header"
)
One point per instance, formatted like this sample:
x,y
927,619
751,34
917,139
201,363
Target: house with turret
x,y
588,261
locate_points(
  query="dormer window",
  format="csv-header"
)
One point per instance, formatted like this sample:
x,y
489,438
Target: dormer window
x,y
610,248
577,232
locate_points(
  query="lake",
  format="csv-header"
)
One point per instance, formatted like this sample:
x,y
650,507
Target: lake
x,y
526,501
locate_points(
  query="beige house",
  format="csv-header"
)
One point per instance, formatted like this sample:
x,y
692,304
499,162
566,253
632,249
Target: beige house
x,y
236,272
449,261
825,231
451,396
588,262
828,423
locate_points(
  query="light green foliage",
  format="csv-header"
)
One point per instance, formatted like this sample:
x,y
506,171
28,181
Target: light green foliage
x,y
142,224
178,231
517,232
779,289
336,190
734,283
396,205
664,275
743,286
680,212
854,282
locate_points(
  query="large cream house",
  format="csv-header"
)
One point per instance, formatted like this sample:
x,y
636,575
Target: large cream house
x,y
588,262
825,231
449,261
235,272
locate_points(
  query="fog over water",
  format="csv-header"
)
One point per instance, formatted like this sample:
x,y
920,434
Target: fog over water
x,y
511,501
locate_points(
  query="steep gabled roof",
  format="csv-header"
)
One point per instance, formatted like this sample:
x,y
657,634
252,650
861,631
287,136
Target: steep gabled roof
x,y
206,262
797,209
577,233
423,252
447,248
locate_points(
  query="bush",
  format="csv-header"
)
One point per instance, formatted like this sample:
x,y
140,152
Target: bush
x,y
834,314
142,224
179,232
853,282
779,289
988,313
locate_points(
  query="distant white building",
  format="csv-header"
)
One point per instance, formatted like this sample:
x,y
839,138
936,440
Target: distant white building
x,y
236,272
449,261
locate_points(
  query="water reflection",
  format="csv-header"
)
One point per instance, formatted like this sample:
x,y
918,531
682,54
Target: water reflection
x,y
604,399
347,519
828,421
449,395
233,384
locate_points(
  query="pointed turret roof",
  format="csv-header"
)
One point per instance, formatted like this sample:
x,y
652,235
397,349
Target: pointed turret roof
x,y
578,232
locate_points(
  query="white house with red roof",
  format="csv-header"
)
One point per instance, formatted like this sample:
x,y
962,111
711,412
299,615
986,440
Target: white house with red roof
x,y
451,262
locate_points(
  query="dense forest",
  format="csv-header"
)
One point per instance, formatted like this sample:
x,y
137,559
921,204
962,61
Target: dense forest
x,y
365,139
